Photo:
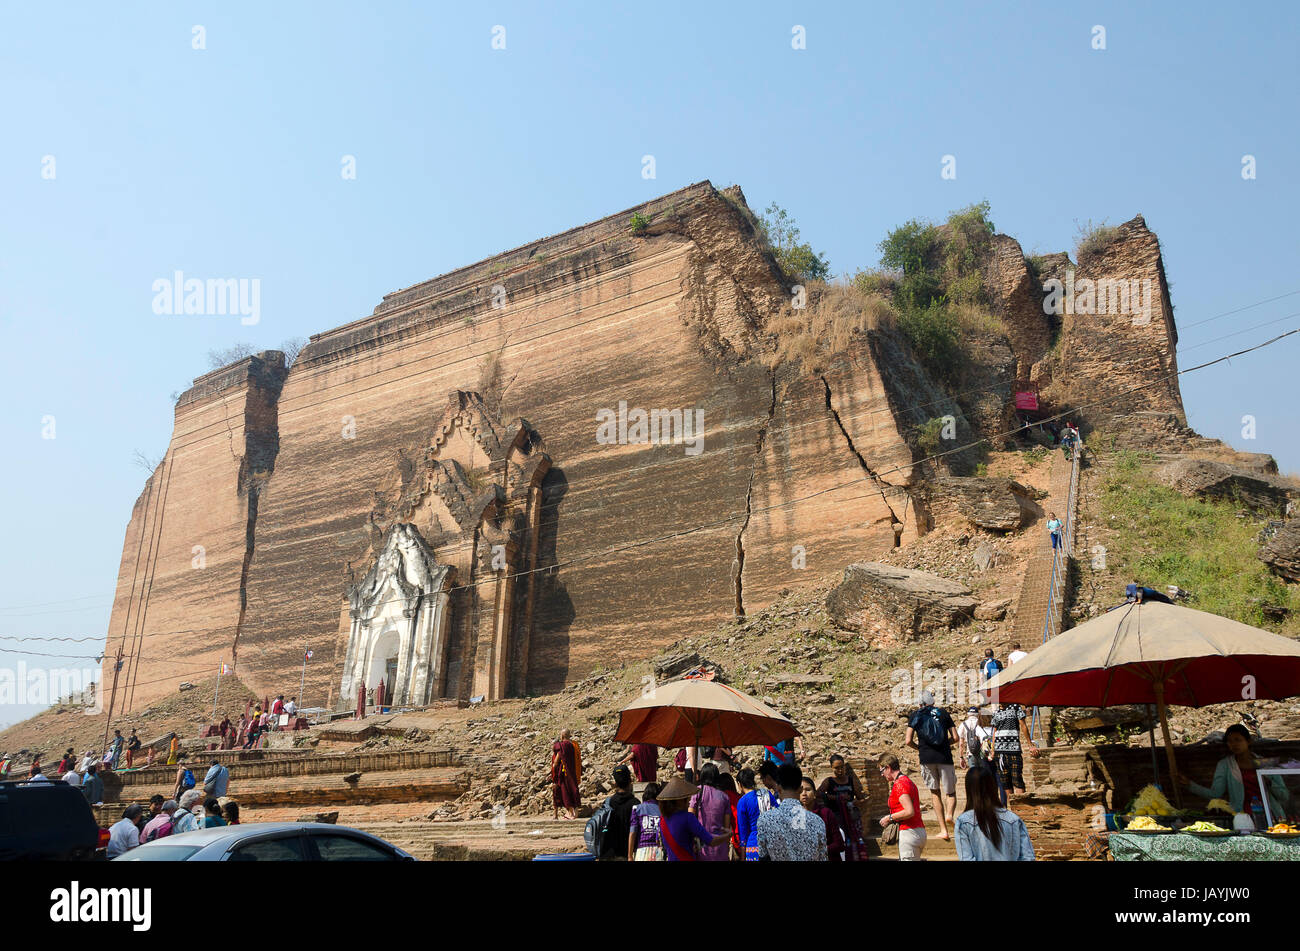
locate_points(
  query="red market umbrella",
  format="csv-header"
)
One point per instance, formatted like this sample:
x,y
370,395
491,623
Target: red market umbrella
x,y
1154,653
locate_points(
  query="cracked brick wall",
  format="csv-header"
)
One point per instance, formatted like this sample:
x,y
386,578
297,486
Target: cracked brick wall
x,y
670,315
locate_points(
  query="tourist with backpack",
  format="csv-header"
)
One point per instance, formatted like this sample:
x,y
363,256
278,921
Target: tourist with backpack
x,y
931,732
184,777
184,819
975,741
610,826
217,780
991,666
160,826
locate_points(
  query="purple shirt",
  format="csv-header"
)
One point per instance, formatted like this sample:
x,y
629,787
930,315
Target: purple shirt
x,y
645,825
714,810
685,830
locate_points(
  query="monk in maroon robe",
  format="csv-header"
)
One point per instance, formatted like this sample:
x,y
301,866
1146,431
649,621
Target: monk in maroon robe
x,y
566,773
644,758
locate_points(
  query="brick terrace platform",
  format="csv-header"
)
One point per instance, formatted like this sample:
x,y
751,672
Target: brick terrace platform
x,y
300,782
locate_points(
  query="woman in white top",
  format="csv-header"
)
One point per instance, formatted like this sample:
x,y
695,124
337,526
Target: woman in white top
x,y
987,832
976,739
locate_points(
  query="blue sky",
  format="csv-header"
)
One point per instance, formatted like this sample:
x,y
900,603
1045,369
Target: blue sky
x,y
225,161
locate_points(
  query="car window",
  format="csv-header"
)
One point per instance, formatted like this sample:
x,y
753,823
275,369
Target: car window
x,y
284,849
344,848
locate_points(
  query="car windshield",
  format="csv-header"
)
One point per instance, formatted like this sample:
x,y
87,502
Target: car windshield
x,y
158,853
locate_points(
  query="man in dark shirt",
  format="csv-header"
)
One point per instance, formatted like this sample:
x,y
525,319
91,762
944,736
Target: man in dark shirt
x,y
932,733
619,827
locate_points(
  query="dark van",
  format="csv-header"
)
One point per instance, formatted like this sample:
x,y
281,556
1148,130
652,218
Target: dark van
x,y
46,821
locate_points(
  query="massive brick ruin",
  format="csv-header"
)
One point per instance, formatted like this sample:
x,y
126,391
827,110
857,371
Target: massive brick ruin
x,y
427,495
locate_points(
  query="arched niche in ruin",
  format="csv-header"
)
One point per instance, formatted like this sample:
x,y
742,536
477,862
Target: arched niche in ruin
x,y
398,615
448,588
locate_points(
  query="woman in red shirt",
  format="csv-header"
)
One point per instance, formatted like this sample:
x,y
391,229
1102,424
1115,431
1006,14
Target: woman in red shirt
x,y
904,809
728,786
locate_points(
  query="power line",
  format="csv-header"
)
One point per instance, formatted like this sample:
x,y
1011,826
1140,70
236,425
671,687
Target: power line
x,y
884,489
42,604
15,650
1229,313
1237,333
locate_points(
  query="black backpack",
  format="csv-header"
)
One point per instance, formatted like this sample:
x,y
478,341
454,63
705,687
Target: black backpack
x,y
594,834
931,729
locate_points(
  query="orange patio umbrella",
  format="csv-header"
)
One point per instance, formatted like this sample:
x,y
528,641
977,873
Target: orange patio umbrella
x,y
701,713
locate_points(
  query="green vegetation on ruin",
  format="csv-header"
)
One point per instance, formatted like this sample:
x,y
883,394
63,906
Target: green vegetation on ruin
x,y
1093,238
937,290
797,259
1207,547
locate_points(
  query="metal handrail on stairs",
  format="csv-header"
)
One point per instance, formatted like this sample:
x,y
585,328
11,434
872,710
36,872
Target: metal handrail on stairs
x,y
1060,568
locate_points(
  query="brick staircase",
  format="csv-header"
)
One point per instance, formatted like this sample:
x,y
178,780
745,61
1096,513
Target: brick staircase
x,y
1042,592
1036,590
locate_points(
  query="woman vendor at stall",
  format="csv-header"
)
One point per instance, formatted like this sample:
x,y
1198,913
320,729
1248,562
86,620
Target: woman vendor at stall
x,y
1236,778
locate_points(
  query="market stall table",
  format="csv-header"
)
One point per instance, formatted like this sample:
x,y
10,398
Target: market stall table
x,y
1181,847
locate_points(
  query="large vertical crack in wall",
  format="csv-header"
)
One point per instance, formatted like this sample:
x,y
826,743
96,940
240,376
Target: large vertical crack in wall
x,y
760,445
261,446
879,483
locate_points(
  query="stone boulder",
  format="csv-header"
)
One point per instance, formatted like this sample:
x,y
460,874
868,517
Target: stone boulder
x,y
1282,551
1206,479
913,602
985,557
993,610
668,666
1000,505
1081,719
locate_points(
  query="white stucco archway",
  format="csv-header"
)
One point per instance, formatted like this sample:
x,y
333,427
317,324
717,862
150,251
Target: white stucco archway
x,y
387,646
399,611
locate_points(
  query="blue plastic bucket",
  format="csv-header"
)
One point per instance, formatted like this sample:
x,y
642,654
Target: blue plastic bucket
x,y
566,857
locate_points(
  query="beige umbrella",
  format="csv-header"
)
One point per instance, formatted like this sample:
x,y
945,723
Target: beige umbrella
x,y
1154,653
700,712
